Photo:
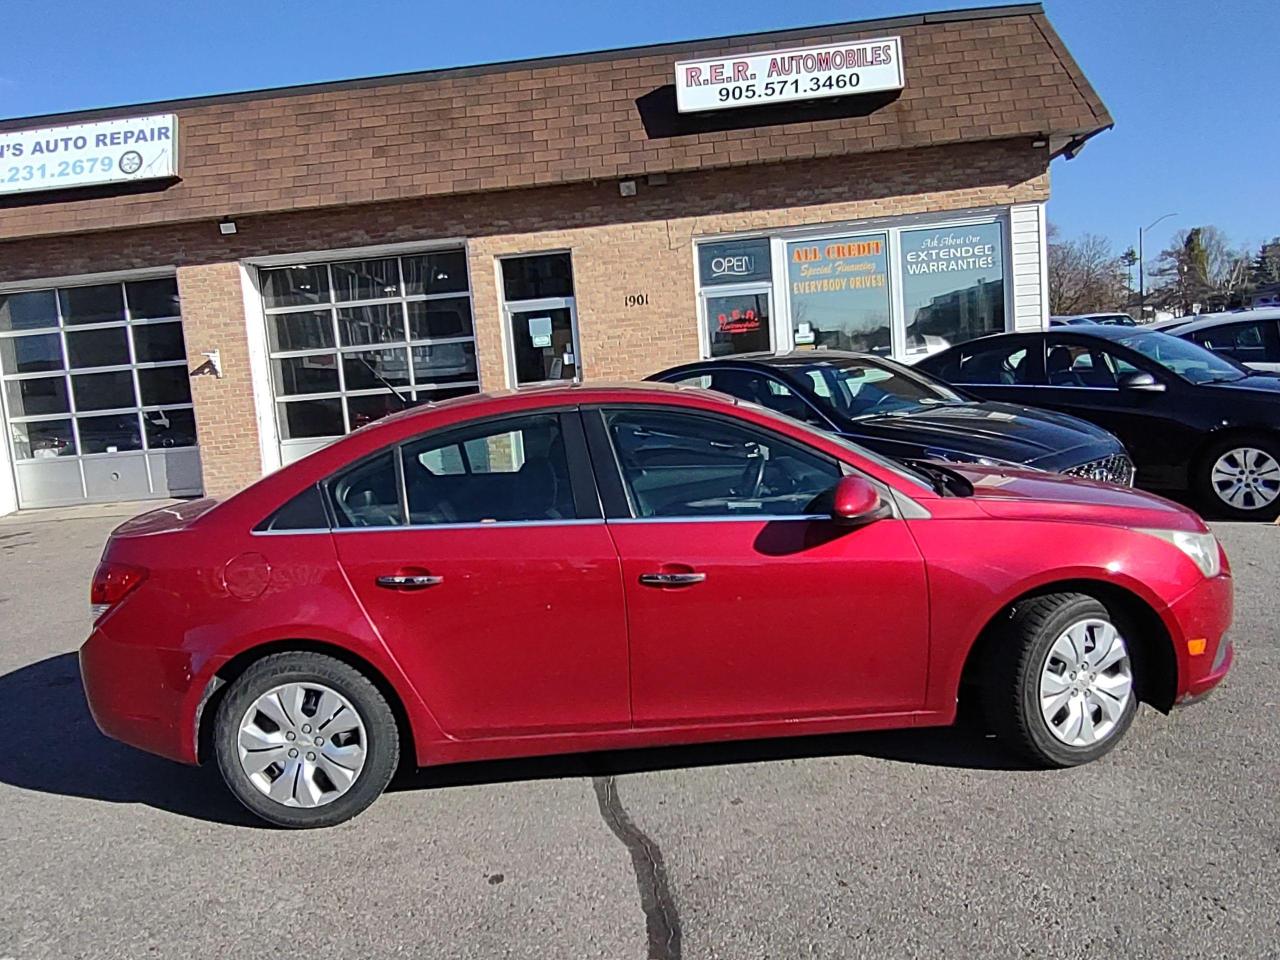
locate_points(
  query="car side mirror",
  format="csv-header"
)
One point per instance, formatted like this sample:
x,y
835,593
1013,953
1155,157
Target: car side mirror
x,y
856,502
1143,382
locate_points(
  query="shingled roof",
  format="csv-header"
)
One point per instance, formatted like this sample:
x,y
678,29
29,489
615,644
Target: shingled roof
x,y
983,74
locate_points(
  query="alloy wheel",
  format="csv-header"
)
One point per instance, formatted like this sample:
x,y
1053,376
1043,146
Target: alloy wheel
x,y
302,744
1086,683
1246,478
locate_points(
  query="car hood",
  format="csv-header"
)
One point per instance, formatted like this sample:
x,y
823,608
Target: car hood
x,y
1256,383
1034,495
995,431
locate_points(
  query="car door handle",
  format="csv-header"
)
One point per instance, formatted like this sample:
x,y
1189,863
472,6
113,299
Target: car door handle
x,y
671,579
409,581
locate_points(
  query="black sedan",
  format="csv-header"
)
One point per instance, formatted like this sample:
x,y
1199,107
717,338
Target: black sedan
x,y
1192,420
895,410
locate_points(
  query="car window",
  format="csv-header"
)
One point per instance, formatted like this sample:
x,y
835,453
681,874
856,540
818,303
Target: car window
x,y
861,388
686,465
758,388
514,469
1070,364
998,364
1244,341
368,495
1184,358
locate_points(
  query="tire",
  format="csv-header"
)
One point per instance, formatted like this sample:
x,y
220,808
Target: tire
x,y
1019,693
307,780
1256,459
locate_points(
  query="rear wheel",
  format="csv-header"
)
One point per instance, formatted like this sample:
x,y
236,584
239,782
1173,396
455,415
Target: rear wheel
x,y
1240,478
304,740
1060,682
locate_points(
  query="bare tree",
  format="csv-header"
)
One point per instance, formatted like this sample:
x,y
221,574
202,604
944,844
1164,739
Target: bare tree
x,y
1085,275
1200,270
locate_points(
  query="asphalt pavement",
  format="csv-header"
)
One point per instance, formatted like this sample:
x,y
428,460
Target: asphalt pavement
x,y
913,844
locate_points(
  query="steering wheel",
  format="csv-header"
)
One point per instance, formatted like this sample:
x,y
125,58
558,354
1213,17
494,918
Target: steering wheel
x,y
883,398
752,480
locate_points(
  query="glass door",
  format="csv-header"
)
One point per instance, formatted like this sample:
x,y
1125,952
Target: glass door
x,y
544,341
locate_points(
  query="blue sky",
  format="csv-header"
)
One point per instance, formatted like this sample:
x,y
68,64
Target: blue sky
x,y
1192,85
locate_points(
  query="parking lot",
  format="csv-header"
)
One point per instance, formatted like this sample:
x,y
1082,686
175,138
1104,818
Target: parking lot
x,y
889,845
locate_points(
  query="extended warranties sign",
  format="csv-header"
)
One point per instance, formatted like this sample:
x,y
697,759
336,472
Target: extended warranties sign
x,y
89,154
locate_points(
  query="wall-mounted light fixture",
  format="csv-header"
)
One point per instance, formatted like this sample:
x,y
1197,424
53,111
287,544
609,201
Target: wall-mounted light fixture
x,y
226,226
627,188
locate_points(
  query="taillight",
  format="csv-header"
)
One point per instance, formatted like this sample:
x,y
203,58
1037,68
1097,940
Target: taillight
x,y
112,582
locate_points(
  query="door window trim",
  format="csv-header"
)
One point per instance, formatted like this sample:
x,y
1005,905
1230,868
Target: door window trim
x,y
582,482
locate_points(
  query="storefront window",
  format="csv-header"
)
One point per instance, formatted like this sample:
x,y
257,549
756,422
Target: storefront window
x,y
736,280
953,285
738,323
839,289
898,289
346,338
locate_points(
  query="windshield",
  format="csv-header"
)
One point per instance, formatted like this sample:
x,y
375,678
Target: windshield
x,y
863,388
1188,360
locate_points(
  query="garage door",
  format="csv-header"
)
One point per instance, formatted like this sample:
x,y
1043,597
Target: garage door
x,y
97,401
354,340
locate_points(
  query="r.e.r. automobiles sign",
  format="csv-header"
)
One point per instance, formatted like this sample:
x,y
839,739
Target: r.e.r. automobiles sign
x,y
780,76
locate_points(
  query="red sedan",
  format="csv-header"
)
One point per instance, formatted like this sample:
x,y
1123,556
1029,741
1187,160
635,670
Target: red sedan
x,y
588,568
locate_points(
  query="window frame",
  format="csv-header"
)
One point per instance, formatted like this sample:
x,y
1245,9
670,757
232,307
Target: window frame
x,y
616,499
586,498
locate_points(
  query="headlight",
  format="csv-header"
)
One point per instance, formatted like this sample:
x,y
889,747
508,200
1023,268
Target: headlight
x,y
1200,547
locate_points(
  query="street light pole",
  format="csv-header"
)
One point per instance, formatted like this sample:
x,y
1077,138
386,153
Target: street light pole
x,y
1142,268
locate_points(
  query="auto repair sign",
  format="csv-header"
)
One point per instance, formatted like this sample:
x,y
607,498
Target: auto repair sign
x,y
780,76
89,154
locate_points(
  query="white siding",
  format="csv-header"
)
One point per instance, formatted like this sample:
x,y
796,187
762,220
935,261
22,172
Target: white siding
x,y
1030,269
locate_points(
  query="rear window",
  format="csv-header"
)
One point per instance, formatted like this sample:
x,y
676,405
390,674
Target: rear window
x,y
304,512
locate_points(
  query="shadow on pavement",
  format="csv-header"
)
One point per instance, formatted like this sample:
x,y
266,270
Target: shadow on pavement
x,y
53,746
956,747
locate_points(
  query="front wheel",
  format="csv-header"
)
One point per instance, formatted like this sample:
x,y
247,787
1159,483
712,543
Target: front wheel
x,y
1240,478
305,740
1060,683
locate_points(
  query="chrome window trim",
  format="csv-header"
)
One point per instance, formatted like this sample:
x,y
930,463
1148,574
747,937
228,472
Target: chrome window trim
x,y
1029,386
755,517
401,528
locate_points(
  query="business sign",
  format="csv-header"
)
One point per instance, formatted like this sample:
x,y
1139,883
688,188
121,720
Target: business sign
x,y
89,154
733,261
780,76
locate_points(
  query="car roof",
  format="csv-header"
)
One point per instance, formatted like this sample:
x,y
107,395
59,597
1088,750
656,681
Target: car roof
x,y
1087,316
1208,320
796,358
1100,331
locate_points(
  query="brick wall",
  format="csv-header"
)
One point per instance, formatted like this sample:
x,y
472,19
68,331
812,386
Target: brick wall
x,y
641,244
226,422
655,257
970,76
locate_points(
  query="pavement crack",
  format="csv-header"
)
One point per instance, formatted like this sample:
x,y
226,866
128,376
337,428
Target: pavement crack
x,y
662,922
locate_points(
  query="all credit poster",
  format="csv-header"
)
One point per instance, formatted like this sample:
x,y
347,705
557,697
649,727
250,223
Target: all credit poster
x,y
839,291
